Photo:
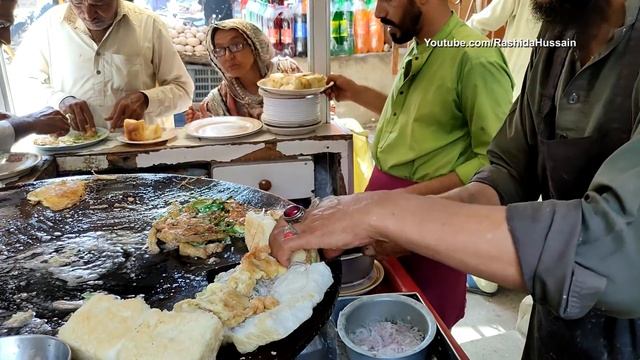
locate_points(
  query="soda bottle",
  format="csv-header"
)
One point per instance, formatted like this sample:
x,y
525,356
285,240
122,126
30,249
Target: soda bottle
x,y
361,27
376,29
348,26
301,29
286,32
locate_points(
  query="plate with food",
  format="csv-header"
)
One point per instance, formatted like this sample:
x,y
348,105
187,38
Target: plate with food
x,y
73,140
301,84
17,164
137,132
223,127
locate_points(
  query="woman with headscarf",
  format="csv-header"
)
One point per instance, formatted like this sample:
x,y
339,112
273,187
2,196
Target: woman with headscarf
x,y
244,56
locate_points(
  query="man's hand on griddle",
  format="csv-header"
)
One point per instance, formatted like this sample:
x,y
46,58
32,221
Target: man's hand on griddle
x,y
336,224
131,106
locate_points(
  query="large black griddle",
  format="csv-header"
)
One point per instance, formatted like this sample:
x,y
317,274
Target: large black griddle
x,y
108,231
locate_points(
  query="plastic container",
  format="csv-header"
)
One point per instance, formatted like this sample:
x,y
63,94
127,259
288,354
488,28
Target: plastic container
x,y
205,78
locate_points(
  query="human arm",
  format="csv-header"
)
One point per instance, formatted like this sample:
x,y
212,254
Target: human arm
x,y
45,121
31,79
174,92
493,16
345,89
572,256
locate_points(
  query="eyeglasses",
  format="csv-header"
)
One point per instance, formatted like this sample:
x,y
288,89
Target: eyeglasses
x,y
233,48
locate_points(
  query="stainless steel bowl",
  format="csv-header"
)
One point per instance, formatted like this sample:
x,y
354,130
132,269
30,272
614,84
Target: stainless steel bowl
x,y
33,347
355,267
385,307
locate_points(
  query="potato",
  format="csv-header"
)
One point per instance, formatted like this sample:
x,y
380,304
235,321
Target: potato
x,y
182,41
201,36
188,49
176,41
179,48
203,29
200,49
193,42
180,28
189,35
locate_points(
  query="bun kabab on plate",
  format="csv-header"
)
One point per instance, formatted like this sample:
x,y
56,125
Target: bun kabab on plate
x,y
138,130
300,81
256,303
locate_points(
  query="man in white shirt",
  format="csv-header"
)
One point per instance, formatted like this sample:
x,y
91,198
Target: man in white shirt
x,y
520,23
101,62
46,121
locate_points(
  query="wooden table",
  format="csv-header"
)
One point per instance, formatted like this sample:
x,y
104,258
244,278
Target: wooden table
x,y
285,165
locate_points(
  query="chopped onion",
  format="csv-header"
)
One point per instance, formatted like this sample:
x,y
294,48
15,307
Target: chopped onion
x,y
387,338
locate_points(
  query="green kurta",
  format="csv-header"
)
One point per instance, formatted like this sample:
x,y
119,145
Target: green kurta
x,y
444,109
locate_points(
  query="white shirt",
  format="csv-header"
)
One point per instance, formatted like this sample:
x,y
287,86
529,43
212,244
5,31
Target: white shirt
x,y
58,58
7,136
521,25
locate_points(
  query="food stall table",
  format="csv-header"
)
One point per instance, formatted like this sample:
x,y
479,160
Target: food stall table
x,y
294,167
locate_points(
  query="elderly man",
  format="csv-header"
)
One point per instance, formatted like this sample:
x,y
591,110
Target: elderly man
x,y
103,61
436,123
572,138
46,121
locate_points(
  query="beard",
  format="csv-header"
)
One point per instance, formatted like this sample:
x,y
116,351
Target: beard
x,y
408,26
573,14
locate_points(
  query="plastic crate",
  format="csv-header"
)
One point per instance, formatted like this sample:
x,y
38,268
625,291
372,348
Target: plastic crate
x,y
205,78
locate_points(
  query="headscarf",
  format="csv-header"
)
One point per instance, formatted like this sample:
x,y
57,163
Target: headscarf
x,y
262,53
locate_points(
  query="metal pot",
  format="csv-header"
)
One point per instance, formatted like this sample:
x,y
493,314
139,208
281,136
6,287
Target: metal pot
x,y
385,307
355,267
28,347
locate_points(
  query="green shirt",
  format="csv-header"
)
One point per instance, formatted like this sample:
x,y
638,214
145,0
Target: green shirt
x,y
445,107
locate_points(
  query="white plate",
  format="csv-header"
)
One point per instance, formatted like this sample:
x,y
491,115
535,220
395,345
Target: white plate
x,y
223,127
17,164
305,92
292,131
102,134
167,134
290,124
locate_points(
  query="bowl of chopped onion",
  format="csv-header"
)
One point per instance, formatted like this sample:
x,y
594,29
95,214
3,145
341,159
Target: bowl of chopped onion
x,y
386,326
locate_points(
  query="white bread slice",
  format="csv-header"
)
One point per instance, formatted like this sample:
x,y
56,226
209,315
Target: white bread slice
x,y
107,328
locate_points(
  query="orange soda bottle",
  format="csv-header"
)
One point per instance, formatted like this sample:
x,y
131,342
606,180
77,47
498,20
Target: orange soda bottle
x,y
361,27
376,29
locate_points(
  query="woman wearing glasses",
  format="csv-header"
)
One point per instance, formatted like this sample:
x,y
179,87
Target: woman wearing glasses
x,y
244,56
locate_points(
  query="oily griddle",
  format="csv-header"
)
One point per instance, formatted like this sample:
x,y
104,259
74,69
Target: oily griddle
x,y
105,235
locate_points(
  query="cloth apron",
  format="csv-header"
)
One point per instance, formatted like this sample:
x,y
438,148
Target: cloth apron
x,y
444,286
566,167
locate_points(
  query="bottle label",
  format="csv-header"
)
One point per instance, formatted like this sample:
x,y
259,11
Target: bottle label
x,y
335,28
287,36
344,28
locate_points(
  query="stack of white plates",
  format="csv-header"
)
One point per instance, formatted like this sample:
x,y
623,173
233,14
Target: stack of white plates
x,y
292,114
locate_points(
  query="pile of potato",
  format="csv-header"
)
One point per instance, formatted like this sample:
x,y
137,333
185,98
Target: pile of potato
x,y
189,40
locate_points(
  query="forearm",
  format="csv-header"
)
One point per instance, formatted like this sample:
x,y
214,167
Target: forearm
x,y
168,99
436,186
369,98
21,127
473,193
472,238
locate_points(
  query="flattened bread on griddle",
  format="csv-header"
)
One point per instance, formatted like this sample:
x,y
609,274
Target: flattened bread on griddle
x,y
59,195
106,328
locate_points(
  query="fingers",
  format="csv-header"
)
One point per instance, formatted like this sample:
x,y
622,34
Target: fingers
x,y
118,117
332,253
88,117
76,119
